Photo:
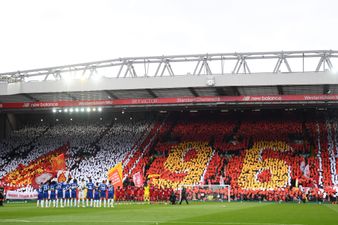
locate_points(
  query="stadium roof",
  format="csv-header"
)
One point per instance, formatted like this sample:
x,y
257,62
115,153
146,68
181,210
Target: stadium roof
x,y
296,76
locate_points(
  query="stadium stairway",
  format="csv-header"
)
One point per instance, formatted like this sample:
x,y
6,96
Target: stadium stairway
x,y
138,160
129,161
126,162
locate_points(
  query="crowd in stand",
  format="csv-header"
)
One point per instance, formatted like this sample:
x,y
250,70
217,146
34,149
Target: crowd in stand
x,y
23,175
175,171
256,156
277,159
113,147
13,150
93,148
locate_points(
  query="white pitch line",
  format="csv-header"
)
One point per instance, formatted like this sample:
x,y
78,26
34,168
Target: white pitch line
x,y
15,221
141,221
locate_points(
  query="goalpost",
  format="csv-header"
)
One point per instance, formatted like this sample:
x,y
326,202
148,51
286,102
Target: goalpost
x,y
197,192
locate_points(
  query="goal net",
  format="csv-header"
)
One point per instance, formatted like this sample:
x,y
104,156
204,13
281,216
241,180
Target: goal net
x,y
219,193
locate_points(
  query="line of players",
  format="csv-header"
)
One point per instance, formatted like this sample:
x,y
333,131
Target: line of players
x,y
72,193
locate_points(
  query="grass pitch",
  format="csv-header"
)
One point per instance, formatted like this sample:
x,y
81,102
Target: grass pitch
x,y
159,214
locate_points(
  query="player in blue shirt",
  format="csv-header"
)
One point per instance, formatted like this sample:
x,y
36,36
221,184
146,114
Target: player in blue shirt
x,y
110,194
45,188
59,189
90,189
52,196
66,189
73,194
103,193
96,195
40,196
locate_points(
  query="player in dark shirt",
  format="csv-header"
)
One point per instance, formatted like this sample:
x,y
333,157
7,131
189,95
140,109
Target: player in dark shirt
x,y
45,188
59,190
40,196
52,197
73,193
96,195
103,193
66,188
110,194
90,189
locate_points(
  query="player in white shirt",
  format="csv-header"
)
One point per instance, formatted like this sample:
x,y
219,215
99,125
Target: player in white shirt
x,y
82,193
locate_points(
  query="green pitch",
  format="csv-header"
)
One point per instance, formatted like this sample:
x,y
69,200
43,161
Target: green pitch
x,y
197,213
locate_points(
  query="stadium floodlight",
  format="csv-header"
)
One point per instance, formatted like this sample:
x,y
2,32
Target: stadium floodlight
x,y
94,109
71,110
76,109
99,109
67,79
65,110
54,110
82,109
60,110
96,77
88,109
83,78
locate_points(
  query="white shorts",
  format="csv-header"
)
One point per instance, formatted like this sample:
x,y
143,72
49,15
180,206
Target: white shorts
x,y
82,195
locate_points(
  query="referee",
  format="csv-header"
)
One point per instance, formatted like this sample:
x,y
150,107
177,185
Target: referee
x,y
184,195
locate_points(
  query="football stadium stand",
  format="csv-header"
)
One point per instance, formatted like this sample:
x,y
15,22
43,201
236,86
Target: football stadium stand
x,y
275,158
